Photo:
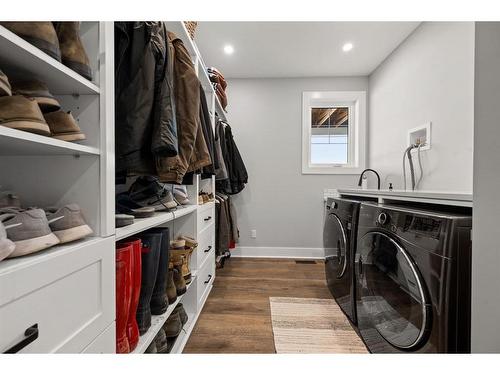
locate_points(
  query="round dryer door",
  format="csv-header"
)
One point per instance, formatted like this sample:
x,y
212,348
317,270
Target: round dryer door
x,y
391,291
335,243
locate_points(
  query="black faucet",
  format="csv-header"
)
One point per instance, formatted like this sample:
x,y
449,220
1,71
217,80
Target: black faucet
x,y
371,170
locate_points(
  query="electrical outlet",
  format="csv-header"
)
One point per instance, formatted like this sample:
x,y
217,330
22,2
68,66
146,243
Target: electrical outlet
x,y
420,135
253,233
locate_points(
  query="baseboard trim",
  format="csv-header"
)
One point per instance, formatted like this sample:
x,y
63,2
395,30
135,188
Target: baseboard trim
x,y
279,252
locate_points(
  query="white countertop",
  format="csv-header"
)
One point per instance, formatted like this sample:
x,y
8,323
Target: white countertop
x,y
436,197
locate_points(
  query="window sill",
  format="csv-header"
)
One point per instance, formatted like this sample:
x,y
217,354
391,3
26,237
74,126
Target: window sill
x,y
333,170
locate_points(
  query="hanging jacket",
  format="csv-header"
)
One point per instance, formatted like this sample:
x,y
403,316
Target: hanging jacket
x,y
208,133
238,175
192,150
144,108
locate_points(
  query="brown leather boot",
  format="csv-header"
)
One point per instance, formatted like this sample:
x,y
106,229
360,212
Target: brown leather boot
x,y
39,91
5,89
171,290
19,112
63,126
41,34
181,249
73,53
179,282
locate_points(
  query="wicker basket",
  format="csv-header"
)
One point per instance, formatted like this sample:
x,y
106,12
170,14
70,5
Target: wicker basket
x,y
191,27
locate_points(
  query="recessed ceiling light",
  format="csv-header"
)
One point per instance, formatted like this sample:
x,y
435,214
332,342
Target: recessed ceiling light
x,y
228,49
347,47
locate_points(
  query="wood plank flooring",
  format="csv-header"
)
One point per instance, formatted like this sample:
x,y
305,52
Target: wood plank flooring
x,y
237,317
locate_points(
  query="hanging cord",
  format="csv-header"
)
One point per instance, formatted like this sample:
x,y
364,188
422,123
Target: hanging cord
x,y
420,165
407,154
412,169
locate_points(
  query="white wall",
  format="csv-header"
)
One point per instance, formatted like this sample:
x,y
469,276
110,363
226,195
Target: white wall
x,y
429,77
486,252
284,206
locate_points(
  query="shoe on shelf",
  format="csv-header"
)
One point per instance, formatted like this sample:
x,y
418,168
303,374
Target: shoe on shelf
x,y
150,258
32,232
179,282
9,199
159,299
122,220
123,294
182,313
173,325
63,126
171,343
21,113
39,91
136,270
161,342
200,200
149,191
5,89
181,254
171,290
126,205
68,223
73,53
151,349
6,246
180,194
40,34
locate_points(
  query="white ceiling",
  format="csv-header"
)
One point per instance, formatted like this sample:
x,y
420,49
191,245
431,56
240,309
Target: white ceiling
x,y
299,49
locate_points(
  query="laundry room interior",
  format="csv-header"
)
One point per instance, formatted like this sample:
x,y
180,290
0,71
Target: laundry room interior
x,y
249,187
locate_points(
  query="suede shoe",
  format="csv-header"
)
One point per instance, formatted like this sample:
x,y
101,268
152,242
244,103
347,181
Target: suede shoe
x,y
161,342
63,126
179,282
32,235
41,34
21,113
6,246
39,91
171,290
68,224
173,325
73,53
182,313
5,89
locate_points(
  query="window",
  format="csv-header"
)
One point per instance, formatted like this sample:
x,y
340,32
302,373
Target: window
x,y
333,132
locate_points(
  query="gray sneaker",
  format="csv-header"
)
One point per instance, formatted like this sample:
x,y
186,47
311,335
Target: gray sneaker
x,y
6,245
68,223
32,232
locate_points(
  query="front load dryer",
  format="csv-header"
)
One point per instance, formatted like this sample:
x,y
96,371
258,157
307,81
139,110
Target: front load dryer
x,y
412,273
339,241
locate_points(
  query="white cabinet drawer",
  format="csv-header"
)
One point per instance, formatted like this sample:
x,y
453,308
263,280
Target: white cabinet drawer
x,y
206,218
68,291
206,276
206,244
105,343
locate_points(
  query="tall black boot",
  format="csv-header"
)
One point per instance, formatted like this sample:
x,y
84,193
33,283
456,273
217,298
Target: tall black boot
x,y
159,300
150,256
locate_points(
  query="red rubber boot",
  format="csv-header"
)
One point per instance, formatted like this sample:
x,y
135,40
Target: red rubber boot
x,y
123,295
132,327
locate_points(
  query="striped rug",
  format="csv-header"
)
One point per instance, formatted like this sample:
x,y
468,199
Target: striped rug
x,y
311,325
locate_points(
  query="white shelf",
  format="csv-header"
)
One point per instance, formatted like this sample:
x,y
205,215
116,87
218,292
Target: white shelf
x,y
183,337
16,142
15,264
141,225
21,59
157,321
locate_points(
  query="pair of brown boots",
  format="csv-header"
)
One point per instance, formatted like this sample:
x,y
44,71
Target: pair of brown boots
x,y
60,40
181,251
29,106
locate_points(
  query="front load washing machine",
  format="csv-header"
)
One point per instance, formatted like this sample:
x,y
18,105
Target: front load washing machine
x,y
413,280
339,240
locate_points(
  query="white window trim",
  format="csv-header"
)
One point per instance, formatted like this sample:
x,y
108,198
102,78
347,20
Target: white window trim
x,y
356,100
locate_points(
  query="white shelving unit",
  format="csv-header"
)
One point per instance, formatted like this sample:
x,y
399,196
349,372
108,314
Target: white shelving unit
x,y
79,278
75,281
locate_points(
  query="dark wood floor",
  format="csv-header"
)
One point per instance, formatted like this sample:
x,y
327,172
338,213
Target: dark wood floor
x,y
237,316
